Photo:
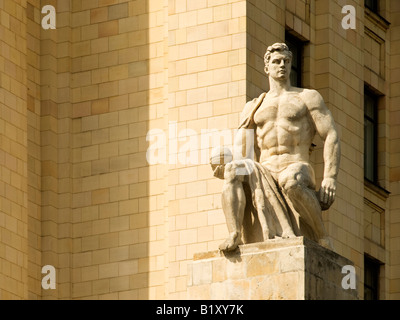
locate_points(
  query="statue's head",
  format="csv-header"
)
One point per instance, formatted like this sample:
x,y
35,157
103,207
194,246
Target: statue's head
x,y
278,61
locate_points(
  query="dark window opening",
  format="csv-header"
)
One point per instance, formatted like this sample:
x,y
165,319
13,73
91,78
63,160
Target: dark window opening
x,y
371,279
296,47
372,5
370,136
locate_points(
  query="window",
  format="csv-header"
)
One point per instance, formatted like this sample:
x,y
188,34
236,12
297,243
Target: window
x,y
371,279
296,47
372,5
370,137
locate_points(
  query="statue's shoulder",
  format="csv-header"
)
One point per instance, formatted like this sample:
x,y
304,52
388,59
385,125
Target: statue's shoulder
x,y
249,110
313,100
309,94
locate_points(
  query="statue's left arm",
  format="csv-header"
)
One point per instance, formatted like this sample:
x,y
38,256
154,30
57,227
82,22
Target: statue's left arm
x,y
325,126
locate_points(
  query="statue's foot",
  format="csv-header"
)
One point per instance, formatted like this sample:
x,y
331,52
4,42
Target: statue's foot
x,y
288,234
231,243
326,243
269,235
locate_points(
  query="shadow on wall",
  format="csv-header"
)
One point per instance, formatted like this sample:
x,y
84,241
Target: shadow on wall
x,y
89,110
111,85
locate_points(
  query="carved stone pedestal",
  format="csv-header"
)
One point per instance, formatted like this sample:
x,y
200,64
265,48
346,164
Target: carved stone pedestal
x,y
294,268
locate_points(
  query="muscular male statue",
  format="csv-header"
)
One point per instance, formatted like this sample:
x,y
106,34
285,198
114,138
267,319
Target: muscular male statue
x,y
279,184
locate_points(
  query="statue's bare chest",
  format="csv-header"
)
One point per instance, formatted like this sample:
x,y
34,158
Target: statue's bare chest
x,y
289,108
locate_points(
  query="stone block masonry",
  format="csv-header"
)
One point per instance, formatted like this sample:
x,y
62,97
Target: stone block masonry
x,y
278,269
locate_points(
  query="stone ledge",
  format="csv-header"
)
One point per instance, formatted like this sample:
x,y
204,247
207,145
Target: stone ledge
x,y
294,268
252,248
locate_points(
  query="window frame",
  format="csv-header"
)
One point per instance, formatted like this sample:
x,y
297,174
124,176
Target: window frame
x,y
375,124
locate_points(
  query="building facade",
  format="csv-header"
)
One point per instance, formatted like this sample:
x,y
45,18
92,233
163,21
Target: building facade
x,y
107,121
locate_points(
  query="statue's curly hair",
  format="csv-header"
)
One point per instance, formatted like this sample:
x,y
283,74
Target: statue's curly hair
x,y
280,47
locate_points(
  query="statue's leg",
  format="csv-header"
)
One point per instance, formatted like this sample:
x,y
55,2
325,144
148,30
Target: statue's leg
x,y
233,204
298,182
283,227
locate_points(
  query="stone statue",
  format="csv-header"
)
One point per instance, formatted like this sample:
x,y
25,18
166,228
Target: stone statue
x,y
274,194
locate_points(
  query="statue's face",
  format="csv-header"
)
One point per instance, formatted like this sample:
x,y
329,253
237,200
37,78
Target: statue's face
x,y
279,66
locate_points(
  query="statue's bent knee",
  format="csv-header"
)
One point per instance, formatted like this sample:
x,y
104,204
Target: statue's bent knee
x,y
230,174
291,185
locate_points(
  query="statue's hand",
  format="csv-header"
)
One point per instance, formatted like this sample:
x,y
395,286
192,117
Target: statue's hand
x,y
327,193
219,171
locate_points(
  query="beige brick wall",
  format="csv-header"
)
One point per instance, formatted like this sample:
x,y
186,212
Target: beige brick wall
x,y
338,75
376,71
394,150
206,81
117,94
34,149
13,152
55,144
265,25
